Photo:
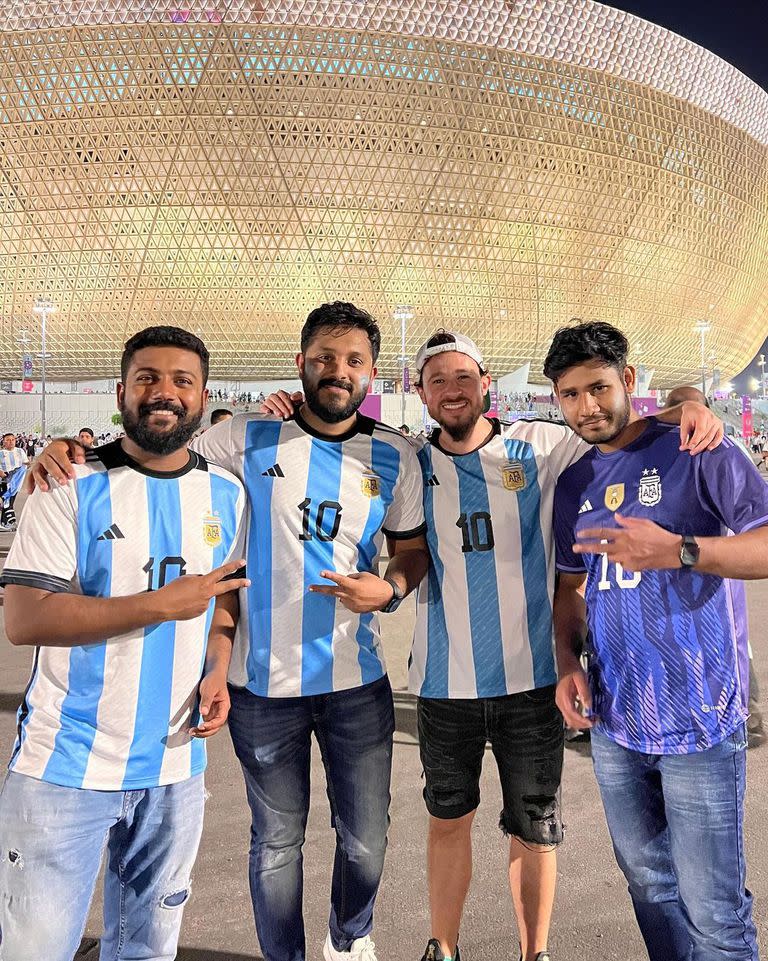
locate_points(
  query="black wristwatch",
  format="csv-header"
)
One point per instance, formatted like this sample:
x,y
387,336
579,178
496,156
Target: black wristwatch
x,y
397,596
689,552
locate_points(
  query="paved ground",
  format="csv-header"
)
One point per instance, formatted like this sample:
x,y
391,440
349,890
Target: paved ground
x,y
593,920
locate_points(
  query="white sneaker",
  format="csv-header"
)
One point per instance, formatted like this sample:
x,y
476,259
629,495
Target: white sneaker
x,y
362,950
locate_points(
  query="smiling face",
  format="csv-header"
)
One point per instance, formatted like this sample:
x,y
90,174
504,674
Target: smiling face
x,y
454,390
595,400
162,399
336,370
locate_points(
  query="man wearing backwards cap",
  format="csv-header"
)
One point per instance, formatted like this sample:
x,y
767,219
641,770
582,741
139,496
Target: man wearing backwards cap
x,y
482,663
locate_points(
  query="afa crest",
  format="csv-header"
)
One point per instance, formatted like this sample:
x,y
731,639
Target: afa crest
x,y
212,530
370,483
649,492
513,475
614,496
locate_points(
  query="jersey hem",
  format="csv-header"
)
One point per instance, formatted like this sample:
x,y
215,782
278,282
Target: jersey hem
x,y
139,785
474,696
293,696
679,749
44,582
571,570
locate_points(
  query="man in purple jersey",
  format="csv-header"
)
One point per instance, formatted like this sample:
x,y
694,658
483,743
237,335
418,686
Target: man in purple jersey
x,y
665,693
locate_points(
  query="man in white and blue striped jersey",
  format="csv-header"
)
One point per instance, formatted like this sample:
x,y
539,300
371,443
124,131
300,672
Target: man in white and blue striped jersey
x,y
482,662
325,488
13,467
117,580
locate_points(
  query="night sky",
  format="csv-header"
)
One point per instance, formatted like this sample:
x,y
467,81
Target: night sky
x,y
737,31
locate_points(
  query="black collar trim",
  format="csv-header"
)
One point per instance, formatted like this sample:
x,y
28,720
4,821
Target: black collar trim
x,y
362,425
113,456
434,439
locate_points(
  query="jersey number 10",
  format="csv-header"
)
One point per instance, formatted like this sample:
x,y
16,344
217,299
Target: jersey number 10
x,y
625,583
476,532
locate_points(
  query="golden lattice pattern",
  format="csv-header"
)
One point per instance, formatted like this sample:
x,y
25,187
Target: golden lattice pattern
x,y
498,166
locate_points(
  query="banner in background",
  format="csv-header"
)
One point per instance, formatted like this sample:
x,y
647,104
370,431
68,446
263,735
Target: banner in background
x,y
747,424
26,371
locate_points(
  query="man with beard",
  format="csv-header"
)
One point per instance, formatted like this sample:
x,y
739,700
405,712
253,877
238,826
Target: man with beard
x,y
324,489
114,579
86,436
482,663
13,466
666,689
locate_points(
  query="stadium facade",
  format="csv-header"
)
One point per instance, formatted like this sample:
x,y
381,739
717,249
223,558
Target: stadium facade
x,y
497,166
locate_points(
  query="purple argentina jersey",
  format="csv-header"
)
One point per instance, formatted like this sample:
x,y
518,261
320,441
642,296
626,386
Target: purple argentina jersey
x,y
667,659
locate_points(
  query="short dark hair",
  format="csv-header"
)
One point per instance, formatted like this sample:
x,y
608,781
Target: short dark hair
x,y
164,336
584,341
9,433
341,315
219,414
86,430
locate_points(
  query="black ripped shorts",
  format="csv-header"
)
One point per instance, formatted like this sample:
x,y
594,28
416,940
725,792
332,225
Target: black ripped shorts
x,y
525,732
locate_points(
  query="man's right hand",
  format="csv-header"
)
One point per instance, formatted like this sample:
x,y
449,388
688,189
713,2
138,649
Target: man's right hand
x,y
282,404
573,697
54,463
189,596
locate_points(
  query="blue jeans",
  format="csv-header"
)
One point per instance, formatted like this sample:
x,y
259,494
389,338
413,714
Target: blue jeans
x,y
272,739
676,827
51,843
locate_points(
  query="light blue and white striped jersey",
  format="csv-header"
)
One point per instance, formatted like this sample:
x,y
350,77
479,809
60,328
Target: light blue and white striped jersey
x,y
12,459
484,611
315,504
115,715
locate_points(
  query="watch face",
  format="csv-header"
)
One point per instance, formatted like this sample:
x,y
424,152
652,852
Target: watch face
x,y
689,553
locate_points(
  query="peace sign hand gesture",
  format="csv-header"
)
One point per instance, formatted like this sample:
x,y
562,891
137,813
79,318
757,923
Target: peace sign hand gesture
x,y
361,592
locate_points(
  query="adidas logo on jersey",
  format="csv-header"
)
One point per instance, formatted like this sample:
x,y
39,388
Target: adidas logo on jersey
x,y
586,506
275,471
112,533
433,481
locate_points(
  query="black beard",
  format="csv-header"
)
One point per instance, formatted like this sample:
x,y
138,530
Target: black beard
x,y
615,427
161,443
460,431
331,415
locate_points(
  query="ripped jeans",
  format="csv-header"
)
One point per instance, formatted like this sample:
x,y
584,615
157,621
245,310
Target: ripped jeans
x,y
51,843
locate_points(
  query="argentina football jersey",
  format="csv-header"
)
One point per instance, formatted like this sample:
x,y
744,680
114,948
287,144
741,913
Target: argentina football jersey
x,y
115,715
667,652
316,503
484,610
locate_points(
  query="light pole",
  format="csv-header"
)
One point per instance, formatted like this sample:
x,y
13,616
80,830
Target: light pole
x,y
403,313
702,328
761,365
44,308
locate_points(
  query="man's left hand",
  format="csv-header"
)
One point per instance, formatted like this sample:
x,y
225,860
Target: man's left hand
x,y
214,704
637,544
700,428
361,592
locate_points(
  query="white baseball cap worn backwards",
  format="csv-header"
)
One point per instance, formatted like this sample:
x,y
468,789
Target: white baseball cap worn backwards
x,y
460,344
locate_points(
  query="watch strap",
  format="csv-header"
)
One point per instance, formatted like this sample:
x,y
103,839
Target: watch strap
x,y
397,596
